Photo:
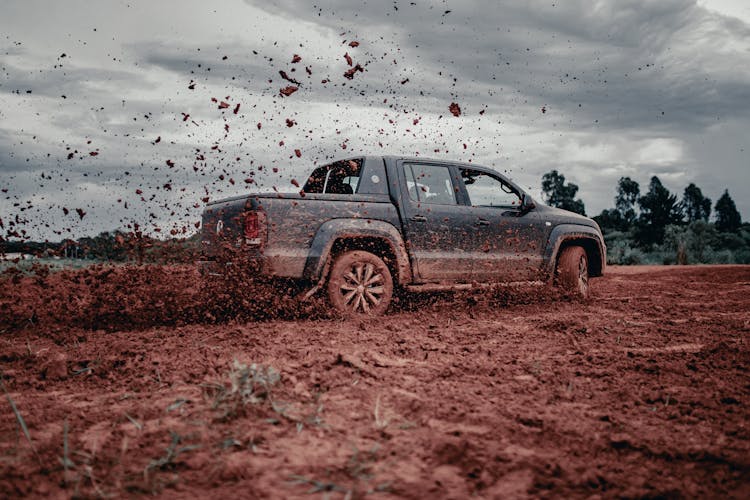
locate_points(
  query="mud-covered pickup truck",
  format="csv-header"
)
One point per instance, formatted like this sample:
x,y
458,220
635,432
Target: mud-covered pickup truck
x,y
361,228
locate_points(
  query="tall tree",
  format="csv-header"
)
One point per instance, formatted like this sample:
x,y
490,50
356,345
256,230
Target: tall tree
x,y
628,192
561,195
728,219
610,219
695,205
659,208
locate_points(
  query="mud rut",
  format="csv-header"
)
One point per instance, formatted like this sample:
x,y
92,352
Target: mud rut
x,y
643,391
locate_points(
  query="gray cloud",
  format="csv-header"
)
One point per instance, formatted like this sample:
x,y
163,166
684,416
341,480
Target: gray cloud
x,y
624,63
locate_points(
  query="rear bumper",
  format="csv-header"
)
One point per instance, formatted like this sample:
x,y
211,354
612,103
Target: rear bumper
x,y
239,269
212,268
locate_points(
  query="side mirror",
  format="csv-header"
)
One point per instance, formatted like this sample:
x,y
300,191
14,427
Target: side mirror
x,y
527,204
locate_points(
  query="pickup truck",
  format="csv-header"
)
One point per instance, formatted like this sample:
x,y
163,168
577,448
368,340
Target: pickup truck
x,y
362,228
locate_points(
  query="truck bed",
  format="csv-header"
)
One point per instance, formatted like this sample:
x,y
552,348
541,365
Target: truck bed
x,y
291,223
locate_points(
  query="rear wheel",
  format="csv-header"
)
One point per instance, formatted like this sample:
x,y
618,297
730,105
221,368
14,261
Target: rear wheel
x,y
360,284
572,273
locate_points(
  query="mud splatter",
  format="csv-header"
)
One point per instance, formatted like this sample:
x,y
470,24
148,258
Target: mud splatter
x,y
287,91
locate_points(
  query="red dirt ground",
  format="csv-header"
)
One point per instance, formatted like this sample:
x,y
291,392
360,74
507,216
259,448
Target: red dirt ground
x,y
129,387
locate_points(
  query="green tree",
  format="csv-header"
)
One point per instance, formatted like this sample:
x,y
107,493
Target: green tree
x,y
659,208
610,219
106,246
695,205
728,219
628,193
561,195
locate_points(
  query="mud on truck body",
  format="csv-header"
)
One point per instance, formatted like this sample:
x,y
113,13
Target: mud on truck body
x,y
361,228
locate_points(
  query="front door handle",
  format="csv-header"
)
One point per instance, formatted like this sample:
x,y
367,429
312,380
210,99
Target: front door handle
x,y
419,218
482,222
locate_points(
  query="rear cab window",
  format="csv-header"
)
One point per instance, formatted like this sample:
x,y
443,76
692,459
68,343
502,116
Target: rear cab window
x,y
341,177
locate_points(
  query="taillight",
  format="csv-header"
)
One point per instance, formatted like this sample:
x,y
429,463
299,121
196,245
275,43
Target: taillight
x,y
252,228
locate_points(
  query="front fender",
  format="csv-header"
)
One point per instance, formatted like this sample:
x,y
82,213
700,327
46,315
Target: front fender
x,y
335,229
566,232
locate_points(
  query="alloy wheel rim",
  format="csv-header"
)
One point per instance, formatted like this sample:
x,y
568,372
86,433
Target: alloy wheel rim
x,y
362,287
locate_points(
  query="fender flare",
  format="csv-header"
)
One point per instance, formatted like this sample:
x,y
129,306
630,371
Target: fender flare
x,y
566,232
332,230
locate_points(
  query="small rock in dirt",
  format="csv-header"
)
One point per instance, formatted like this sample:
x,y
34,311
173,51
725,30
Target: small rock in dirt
x,y
530,421
238,465
55,368
354,362
410,477
620,441
449,480
301,390
197,461
450,450
515,484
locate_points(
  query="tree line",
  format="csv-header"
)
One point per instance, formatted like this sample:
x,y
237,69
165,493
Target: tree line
x,y
111,246
656,227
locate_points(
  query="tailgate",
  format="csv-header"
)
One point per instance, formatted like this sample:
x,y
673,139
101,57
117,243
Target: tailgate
x,y
223,227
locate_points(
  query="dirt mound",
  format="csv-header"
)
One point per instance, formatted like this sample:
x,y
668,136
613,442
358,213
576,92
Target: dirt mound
x,y
99,297
129,297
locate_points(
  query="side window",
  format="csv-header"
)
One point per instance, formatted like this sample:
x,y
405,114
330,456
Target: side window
x,y
430,184
487,191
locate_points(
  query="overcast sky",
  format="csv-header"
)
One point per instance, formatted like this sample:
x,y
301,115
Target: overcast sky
x,y
115,108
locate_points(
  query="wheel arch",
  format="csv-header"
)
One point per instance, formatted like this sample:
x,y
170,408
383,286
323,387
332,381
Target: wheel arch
x,y
341,235
591,248
567,235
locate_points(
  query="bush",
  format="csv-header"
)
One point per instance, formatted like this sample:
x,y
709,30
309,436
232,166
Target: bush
x,y
725,256
632,256
742,256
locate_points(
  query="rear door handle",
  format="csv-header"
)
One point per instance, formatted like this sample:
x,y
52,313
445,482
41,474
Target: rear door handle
x,y
419,218
482,222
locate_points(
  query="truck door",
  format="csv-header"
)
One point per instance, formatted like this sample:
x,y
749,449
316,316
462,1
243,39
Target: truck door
x,y
508,242
434,222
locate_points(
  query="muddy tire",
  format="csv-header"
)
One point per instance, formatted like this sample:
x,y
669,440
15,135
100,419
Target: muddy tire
x,y
572,273
360,284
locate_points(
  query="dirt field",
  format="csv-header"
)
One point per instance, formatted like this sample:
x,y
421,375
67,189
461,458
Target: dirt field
x,y
641,392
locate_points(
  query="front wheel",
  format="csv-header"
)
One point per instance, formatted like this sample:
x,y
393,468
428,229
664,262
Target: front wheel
x,y
572,273
360,284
